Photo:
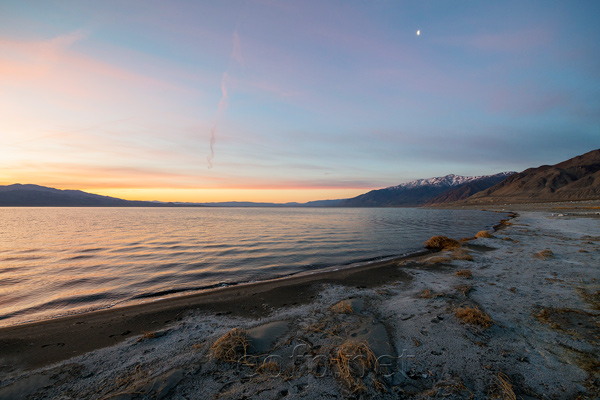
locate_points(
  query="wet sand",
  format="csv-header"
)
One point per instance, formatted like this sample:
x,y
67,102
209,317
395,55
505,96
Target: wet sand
x,y
38,344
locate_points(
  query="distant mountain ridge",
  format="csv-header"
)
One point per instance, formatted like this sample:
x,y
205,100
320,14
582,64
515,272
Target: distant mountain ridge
x,y
28,195
18,195
444,181
424,191
573,180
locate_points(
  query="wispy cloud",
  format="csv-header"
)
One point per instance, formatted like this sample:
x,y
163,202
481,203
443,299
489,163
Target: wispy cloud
x,y
236,55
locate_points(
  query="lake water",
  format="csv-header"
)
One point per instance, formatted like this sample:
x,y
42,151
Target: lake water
x,y
59,261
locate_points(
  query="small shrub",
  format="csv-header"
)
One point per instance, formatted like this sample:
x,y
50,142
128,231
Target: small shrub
x,y
474,316
232,346
483,234
441,243
352,361
464,273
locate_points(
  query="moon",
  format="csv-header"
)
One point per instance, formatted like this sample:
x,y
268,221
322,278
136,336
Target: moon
x,y
419,32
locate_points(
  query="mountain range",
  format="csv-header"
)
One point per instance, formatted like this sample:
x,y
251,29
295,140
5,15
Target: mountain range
x,y
575,179
425,191
18,195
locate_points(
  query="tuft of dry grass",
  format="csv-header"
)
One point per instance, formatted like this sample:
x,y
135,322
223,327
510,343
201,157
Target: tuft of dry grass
x,y
464,289
232,346
464,273
428,294
474,316
506,387
147,336
467,239
269,368
544,254
441,243
343,307
483,234
352,360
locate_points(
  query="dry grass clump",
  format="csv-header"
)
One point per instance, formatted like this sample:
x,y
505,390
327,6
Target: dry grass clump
x,y
464,273
428,294
441,243
544,254
132,379
464,289
352,361
474,316
147,336
506,387
323,327
483,234
232,346
269,368
343,307
455,388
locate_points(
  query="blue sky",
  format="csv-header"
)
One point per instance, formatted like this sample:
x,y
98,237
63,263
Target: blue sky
x,y
302,100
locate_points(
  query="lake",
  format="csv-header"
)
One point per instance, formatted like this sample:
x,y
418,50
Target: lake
x,y
60,261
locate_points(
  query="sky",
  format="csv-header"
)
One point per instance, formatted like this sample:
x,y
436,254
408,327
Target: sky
x,y
278,101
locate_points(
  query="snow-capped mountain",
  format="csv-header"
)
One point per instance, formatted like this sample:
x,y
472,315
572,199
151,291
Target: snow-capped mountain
x,y
423,191
446,181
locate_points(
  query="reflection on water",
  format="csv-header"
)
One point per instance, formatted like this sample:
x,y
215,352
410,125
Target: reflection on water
x,y
55,261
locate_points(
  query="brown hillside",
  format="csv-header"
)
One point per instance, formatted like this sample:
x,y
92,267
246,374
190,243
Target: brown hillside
x,y
575,179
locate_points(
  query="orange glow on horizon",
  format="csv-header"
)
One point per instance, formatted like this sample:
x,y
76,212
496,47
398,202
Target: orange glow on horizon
x,y
300,195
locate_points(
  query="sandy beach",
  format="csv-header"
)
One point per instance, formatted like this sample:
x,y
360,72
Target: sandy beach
x,y
514,315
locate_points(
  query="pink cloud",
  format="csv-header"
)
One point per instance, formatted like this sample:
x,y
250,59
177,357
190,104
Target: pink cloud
x,y
54,64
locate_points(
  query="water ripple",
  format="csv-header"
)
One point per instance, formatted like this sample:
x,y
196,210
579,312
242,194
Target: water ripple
x,y
66,260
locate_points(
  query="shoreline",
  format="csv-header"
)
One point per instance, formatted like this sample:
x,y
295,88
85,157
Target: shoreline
x,y
48,344
171,295
535,279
